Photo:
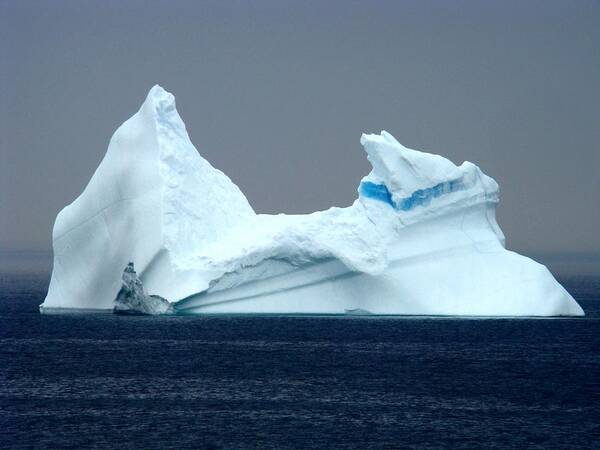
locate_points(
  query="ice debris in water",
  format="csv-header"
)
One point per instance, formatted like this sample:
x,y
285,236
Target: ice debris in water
x,y
132,299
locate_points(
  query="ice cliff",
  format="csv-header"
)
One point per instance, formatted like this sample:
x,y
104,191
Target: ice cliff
x,y
421,238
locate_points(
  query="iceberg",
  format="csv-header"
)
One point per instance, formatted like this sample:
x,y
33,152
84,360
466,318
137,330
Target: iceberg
x,y
420,239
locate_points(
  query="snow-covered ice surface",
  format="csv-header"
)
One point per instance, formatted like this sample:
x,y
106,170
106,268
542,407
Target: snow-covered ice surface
x,y
421,238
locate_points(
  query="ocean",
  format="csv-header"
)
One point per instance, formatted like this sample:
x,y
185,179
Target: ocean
x,y
108,381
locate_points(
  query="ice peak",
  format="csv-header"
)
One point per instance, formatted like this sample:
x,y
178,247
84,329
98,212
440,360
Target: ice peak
x,y
382,138
160,100
403,170
157,91
160,105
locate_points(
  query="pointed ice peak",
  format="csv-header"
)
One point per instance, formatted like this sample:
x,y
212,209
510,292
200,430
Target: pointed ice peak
x,y
160,99
157,91
383,138
160,104
389,138
404,170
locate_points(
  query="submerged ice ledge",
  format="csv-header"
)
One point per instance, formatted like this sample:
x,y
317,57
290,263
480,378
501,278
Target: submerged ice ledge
x,y
421,238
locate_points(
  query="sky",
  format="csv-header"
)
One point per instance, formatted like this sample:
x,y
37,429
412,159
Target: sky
x,y
277,93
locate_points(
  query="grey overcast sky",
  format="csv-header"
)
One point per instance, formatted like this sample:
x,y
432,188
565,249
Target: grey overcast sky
x,y
276,94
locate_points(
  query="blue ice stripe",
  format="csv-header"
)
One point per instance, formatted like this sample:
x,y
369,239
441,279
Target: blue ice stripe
x,y
376,191
420,197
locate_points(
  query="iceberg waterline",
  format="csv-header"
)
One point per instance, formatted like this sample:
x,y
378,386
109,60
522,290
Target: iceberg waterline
x,y
421,238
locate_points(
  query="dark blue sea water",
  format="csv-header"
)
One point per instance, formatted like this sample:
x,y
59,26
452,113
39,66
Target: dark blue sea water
x,y
106,381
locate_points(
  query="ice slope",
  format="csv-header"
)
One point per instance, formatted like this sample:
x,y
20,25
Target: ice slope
x,y
421,238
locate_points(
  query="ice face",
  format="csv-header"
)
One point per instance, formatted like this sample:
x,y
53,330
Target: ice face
x,y
421,238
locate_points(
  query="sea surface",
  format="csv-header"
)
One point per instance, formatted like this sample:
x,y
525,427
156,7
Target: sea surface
x,y
106,381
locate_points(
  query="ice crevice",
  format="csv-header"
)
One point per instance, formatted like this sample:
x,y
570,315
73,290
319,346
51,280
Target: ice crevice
x,y
421,238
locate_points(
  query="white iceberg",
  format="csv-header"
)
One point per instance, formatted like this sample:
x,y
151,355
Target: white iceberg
x,y
421,239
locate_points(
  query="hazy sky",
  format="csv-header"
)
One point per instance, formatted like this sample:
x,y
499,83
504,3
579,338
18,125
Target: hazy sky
x,y
276,94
